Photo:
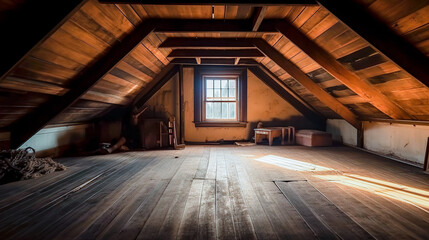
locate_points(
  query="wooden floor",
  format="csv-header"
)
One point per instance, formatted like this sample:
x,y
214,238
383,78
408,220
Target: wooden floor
x,y
223,192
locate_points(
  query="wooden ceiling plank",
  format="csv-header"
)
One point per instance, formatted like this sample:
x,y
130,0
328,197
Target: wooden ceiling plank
x,y
305,81
194,53
381,37
340,72
26,23
27,126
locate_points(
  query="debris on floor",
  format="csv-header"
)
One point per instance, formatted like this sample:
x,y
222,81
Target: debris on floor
x,y
22,164
244,144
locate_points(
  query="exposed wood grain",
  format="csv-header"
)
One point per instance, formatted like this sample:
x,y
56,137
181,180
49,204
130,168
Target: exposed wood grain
x,y
350,79
304,80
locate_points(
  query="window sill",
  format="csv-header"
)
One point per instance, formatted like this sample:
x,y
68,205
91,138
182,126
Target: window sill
x,y
220,124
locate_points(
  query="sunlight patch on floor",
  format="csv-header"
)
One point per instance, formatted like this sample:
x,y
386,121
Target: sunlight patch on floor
x,y
291,164
399,192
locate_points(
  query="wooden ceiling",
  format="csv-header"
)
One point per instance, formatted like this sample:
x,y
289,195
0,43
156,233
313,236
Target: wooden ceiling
x,y
345,65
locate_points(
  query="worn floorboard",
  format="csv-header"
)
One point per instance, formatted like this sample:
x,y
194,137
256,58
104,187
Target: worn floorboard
x,y
221,192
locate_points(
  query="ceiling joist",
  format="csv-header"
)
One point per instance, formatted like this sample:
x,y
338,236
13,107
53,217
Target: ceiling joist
x,y
206,43
258,16
203,53
215,61
360,86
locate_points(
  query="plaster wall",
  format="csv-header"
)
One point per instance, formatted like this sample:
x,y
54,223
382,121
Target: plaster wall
x,y
403,141
53,141
342,131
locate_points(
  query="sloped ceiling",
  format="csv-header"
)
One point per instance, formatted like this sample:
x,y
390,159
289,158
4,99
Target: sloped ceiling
x,y
49,69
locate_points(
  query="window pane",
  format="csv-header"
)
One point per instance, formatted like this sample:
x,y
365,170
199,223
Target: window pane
x,y
216,83
224,110
209,92
231,111
231,83
209,110
232,93
217,93
224,83
217,110
224,92
209,84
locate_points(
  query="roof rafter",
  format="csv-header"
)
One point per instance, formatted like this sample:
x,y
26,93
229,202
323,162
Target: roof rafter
x,y
27,126
381,37
258,16
341,73
305,81
287,94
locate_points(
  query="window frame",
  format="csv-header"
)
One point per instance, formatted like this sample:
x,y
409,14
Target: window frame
x,y
200,73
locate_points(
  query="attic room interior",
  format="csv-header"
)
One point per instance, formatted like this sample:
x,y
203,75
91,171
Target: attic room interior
x,y
293,119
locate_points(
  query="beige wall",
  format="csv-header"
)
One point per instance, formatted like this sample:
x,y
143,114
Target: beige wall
x,y
342,131
401,141
263,104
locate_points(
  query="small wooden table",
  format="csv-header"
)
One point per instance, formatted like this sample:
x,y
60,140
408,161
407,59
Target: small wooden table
x,y
272,132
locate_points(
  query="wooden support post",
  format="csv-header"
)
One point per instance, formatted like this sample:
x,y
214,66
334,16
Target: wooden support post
x,y
305,81
27,126
360,86
198,59
181,107
236,61
426,164
360,138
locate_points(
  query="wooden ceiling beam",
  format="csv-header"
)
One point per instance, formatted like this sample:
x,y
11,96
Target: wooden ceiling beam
x,y
381,37
202,2
215,61
206,43
306,82
28,26
258,16
360,86
287,94
203,53
213,26
153,86
28,125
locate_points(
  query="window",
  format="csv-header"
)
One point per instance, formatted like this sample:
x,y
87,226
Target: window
x,y
220,97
